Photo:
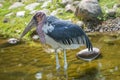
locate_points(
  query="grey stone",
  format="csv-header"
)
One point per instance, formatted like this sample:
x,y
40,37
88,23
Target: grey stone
x,y
20,14
13,41
32,6
16,5
46,11
9,14
45,4
65,2
58,11
115,6
75,3
69,8
33,12
88,10
1,5
80,23
35,37
111,12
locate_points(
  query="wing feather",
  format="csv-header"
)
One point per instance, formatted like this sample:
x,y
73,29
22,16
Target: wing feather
x,y
67,33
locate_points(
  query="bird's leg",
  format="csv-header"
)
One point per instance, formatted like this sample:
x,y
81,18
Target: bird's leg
x,y
65,60
57,60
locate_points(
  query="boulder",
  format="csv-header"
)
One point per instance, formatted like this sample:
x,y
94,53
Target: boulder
x,y
16,5
88,10
32,6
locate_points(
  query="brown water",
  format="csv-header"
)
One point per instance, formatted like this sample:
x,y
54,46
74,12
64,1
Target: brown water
x,y
25,60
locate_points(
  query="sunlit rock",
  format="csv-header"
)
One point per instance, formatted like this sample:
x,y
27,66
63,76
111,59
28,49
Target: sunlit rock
x,y
65,2
58,11
54,13
32,6
13,41
40,0
75,3
1,5
45,4
111,12
9,14
46,11
69,8
20,14
38,76
88,55
35,37
88,10
115,6
80,23
33,12
16,5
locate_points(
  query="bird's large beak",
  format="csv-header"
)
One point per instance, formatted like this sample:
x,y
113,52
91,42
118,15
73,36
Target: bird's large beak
x,y
31,24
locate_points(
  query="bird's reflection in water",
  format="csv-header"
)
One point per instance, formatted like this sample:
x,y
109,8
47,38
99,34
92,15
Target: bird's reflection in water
x,y
62,75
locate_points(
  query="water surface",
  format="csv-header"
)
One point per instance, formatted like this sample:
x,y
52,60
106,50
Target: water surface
x,y
29,61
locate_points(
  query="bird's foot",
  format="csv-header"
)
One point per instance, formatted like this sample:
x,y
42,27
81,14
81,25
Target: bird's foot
x,y
58,67
65,67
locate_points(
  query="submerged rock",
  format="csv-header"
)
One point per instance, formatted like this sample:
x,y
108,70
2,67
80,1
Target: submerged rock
x,y
88,55
38,76
35,37
13,41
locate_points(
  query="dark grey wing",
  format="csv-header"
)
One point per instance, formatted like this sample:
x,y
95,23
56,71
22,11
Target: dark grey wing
x,y
66,33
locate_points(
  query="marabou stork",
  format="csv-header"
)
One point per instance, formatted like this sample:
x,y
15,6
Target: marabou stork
x,y
58,34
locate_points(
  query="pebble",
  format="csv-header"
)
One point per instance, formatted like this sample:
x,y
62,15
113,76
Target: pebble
x,y
13,41
35,37
88,55
38,76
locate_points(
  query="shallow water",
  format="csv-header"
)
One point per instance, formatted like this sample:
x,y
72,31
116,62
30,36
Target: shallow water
x,y
29,61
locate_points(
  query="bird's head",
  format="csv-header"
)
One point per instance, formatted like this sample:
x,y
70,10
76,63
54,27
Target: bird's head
x,y
37,20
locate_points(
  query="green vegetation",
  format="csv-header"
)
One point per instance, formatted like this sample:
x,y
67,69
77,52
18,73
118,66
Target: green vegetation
x,y
15,25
